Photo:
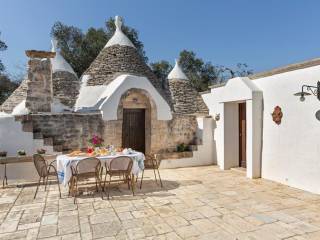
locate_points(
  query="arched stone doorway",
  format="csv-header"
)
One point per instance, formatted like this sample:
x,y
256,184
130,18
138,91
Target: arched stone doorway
x,y
136,110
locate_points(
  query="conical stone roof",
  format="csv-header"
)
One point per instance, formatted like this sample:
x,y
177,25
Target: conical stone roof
x,y
65,83
119,56
185,98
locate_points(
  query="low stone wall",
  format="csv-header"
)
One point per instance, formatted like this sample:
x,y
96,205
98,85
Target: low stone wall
x,y
66,131
165,135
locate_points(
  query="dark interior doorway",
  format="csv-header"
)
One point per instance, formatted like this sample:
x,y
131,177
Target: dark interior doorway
x,y
133,129
242,135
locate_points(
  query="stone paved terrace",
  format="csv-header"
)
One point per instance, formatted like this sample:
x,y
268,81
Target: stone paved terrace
x,y
197,203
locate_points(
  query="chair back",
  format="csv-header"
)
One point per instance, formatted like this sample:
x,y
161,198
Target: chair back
x,y
122,163
88,165
151,162
41,165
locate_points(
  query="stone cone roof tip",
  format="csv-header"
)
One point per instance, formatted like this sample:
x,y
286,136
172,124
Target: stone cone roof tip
x,y
177,73
59,64
119,37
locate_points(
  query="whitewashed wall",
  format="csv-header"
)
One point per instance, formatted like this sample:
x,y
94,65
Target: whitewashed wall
x,y
290,151
12,138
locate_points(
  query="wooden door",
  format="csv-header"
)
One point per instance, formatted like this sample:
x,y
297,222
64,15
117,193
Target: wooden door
x,y
133,129
242,135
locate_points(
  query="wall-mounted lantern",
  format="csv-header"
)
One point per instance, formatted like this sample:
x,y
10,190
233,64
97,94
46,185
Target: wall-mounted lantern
x,y
217,117
315,90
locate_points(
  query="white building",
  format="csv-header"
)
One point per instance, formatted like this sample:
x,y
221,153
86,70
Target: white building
x,y
245,134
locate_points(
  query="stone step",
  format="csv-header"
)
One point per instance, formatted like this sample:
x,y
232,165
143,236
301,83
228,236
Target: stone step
x,y
37,135
48,141
27,126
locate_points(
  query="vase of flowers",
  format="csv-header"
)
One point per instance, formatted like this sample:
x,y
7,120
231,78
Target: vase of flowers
x,y
96,141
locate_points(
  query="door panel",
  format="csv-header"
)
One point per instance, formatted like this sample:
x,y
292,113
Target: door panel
x,y
133,129
242,135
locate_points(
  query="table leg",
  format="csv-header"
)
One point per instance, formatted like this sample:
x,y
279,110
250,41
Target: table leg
x,y
133,183
5,179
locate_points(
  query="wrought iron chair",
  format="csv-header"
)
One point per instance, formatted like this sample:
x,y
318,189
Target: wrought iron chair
x,y
151,163
120,167
44,171
82,171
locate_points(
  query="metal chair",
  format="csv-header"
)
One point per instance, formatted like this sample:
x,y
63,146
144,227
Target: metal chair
x,y
82,171
44,171
151,163
121,167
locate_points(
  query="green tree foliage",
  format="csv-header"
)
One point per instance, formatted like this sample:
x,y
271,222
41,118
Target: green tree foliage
x,y
6,87
3,47
161,69
200,73
80,49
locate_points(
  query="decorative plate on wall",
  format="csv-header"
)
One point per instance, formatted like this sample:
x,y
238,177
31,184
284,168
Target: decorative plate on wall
x,y
277,115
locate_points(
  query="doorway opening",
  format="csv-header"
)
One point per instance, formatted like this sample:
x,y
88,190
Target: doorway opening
x,y
133,129
242,135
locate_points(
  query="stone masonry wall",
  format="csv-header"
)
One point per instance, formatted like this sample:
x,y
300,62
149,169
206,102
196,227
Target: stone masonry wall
x,y
66,131
65,87
185,98
165,135
39,86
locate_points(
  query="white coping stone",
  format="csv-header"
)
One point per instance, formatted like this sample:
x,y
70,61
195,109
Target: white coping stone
x,y
59,64
119,37
20,109
58,107
4,114
88,95
177,73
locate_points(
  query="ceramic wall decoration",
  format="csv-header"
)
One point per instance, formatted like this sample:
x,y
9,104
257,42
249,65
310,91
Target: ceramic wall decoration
x,y
277,115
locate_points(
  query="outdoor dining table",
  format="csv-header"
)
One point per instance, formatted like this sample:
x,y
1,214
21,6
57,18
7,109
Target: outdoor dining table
x,y
64,163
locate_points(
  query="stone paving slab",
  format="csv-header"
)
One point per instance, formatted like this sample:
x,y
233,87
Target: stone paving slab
x,y
195,203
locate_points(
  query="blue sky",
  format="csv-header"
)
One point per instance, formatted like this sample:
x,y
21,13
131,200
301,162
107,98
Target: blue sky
x,y
263,34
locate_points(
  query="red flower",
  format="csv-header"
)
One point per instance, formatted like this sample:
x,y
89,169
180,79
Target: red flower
x,y
90,150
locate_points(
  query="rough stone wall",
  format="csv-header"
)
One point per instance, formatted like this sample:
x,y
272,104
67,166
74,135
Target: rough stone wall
x,y
65,87
15,98
166,135
185,99
68,130
39,86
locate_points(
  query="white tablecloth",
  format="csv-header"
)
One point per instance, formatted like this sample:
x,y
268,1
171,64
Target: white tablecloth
x,y
64,163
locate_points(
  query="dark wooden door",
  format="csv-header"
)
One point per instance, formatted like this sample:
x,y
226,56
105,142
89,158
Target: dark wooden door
x,y
133,129
242,135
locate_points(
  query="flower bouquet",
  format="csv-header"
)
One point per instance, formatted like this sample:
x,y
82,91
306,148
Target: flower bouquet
x,y
96,141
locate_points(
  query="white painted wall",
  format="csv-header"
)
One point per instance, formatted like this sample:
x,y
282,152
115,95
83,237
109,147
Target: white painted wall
x,y
12,138
205,154
290,152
